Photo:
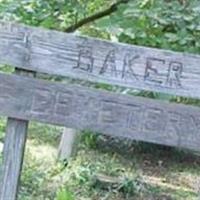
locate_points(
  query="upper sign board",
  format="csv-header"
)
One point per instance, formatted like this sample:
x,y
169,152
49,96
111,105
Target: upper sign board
x,y
100,61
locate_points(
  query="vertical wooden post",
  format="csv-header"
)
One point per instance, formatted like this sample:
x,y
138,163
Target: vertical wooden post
x,y
68,144
13,154
14,146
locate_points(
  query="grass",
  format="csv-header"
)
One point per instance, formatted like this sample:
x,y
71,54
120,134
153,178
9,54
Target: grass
x,y
149,171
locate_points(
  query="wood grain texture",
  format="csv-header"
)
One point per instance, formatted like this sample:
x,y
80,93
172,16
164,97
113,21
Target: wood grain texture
x,y
68,144
14,146
100,61
117,115
13,156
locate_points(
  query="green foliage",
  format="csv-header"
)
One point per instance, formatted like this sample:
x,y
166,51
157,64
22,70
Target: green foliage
x,y
89,139
45,133
166,24
131,187
50,14
32,178
42,176
163,24
2,128
64,194
7,69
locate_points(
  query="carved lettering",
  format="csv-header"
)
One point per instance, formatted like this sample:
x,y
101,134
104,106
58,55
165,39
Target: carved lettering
x,y
191,125
85,59
109,65
128,71
108,113
174,74
42,102
173,126
195,121
153,120
91,104
63,106
135,118
194,135
151,72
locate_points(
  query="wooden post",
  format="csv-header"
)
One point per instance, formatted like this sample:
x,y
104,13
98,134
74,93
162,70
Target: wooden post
x,y
13,153
14,146
68,144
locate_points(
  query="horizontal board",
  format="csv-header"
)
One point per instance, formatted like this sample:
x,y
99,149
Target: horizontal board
x,y
100,61
114,114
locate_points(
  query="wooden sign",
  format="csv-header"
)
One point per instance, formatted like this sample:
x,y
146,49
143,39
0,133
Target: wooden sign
x,y
25,98
100,61
117,115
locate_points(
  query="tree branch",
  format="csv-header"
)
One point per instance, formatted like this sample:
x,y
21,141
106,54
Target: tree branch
x,y
113,8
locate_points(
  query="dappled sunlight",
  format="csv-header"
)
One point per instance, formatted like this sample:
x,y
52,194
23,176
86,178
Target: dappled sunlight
x,y
185,179
162,182
142,85
45,152
81,169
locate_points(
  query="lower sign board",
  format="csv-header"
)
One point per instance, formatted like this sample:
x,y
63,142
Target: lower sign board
x,y
114,114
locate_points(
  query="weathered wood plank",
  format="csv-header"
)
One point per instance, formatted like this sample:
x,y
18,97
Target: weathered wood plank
x,y
13,156
14,147
68,144
100,61
118,115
